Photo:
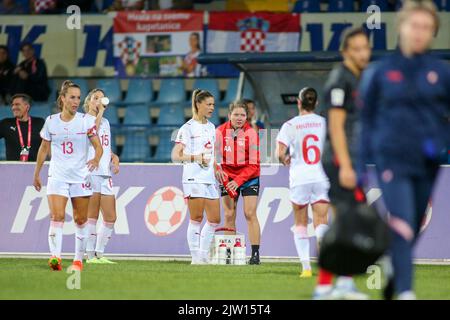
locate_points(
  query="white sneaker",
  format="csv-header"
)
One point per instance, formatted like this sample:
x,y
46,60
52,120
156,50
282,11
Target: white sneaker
x,y
323,292
346,290
407,295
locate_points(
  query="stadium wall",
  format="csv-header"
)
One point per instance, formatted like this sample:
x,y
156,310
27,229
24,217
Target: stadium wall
x,y
152,215
89,51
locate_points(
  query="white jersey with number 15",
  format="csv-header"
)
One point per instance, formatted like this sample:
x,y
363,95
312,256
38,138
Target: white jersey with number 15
x,y
104,134
305,136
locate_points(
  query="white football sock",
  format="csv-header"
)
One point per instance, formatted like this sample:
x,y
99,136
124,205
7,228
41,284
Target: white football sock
x,y
193,237
104,234
206,238
92,237
345,282
302,244
320,230
55,237
81,237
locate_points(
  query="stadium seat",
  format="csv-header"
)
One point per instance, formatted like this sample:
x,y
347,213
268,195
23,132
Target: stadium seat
x,y
84,87
230,94
302,6
136,147
442,5
111,114
215,118
2,149
139,91
210,85
53,90
5,112
171,91
137,115
172,114
248,92
340,6
111,87
41,109
382,4
164,147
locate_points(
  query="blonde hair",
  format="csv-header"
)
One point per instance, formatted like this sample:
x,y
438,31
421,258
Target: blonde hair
x,y
64,88
88,98
410,6
197,97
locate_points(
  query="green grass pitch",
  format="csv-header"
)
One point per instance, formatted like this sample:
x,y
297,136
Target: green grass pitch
x,y
137,279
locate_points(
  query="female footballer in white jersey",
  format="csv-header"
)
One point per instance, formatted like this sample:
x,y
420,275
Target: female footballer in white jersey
x,y
300,145
68,135
195,147
103,196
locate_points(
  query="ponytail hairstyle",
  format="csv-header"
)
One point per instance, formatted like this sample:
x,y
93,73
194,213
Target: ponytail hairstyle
x,y
88,98
239,104
197,97
308,97
64,88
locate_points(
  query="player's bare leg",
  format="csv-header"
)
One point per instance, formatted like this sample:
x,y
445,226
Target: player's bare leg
x,y
229,208
212,208
80,209
196,207
93,213
57,205
254,231
320,220
301,238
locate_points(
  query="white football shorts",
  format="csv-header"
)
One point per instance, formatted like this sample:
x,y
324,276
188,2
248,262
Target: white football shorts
x,y
102,185
69,190
310,193
200,190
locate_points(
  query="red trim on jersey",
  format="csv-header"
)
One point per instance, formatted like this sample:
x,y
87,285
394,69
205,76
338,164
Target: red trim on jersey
x,y
320,201
240,162
300,205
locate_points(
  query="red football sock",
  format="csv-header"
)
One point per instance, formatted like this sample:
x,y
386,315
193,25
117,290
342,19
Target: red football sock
x,y
325,277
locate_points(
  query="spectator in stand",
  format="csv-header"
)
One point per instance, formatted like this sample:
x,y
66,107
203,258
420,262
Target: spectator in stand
x,y
84,5
44,6
10,7
30,76
6,72
125,5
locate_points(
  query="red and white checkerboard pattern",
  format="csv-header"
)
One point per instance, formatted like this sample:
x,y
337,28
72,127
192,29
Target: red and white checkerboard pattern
x,y
130,54
253,41
42,5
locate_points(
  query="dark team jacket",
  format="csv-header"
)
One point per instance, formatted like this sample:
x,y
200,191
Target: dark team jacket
x,y
8,131
238,154
340,92
405,112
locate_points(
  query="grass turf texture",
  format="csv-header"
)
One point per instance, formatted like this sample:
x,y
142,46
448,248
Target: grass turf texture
x,y
132,279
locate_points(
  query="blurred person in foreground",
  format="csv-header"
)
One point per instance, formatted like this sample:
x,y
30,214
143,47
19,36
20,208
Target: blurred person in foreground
x,y
405,112
340,152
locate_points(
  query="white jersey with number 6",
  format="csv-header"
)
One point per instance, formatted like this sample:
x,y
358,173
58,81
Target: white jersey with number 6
x,y
69,146
104,134
304,135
